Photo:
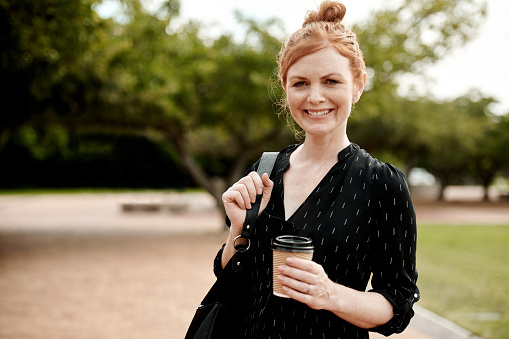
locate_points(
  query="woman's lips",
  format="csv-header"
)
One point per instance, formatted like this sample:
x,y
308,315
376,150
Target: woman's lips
x,y
315,113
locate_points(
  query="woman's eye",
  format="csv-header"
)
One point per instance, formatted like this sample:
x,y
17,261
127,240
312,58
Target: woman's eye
x,y
299,84
331,82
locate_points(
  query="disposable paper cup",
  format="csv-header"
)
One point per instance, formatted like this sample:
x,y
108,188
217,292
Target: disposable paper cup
x,y
283,247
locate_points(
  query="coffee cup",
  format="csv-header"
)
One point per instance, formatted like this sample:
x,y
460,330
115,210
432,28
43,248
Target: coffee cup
x,y
286,246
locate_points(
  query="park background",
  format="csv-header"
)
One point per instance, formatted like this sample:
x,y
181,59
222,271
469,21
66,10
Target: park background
x,y
141,97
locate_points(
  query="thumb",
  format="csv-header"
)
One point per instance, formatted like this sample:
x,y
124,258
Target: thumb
x,y
268,185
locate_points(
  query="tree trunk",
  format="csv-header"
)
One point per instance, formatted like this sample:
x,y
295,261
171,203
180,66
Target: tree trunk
x,y
441,193
486,180
486,195
486,187
441,196
215,186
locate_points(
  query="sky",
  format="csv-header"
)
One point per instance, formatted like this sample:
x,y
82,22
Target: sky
x,y
481,64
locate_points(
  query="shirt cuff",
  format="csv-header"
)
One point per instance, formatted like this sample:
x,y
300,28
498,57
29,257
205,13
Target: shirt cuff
x,y
403,311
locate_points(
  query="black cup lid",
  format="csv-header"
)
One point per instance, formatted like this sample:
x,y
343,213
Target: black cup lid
x,y
292,243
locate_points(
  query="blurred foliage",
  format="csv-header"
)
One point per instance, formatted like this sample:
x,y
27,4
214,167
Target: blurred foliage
x,y
454,139
75,84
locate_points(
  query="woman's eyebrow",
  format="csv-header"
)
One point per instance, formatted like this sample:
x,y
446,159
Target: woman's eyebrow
x,y
338,75
297,77
301,77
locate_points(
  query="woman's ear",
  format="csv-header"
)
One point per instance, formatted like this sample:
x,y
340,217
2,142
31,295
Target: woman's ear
x,y
359,86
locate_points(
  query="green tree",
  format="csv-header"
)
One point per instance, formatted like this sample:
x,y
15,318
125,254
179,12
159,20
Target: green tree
x,y
398,43
490,154
42,48
208,101
450,136
205,100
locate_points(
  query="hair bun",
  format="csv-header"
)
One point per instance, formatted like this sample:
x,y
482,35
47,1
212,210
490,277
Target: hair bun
x,y
329,11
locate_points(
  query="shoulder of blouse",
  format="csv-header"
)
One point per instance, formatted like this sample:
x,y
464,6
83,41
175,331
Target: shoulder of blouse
x,y
386,173
289,149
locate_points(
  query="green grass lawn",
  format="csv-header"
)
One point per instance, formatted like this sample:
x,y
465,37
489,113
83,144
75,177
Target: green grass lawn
x,y
464,276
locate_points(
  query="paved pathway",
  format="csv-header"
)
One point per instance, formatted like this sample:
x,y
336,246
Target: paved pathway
x,y
77,266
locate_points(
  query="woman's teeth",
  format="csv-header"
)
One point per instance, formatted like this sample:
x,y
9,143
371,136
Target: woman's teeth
x,y
318,113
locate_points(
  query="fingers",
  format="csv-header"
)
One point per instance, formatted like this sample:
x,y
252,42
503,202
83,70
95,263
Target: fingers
x,y
303,265
297,273
299,269
267,185
296,285
306,282
238,195
244,191
257,185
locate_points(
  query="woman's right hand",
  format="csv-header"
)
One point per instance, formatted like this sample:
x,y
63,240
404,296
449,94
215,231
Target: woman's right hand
x,y
239,198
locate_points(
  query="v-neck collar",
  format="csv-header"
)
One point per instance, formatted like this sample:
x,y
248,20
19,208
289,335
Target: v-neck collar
x,y
343,156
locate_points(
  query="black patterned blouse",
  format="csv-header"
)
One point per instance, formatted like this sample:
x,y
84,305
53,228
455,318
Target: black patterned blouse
x,y
362,223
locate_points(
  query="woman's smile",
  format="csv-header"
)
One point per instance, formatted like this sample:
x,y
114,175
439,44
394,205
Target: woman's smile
x,y
315,113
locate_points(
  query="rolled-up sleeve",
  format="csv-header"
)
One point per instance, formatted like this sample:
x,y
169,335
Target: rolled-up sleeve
x,y
394,269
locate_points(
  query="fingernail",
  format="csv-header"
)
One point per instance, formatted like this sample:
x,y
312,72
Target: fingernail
x,y
260,191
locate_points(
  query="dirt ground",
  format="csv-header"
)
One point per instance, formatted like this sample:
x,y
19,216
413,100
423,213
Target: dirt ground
x,y
101,286
125,275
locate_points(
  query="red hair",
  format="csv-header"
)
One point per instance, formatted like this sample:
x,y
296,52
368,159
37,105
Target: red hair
x,y
322,29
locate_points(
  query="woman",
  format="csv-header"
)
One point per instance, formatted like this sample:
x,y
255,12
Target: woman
x,y
356,209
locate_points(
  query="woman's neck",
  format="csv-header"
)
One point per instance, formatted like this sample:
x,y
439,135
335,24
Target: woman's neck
x,y
323,149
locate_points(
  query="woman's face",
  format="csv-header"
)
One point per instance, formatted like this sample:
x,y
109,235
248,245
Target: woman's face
x,y
320,90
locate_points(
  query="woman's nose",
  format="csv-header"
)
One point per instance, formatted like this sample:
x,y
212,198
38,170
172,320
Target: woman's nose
x,y
315,95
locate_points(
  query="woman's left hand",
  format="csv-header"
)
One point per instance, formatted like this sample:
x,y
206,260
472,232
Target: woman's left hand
x,y
307,282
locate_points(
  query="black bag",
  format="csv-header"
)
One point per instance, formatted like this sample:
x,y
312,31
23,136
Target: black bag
x,y
222,311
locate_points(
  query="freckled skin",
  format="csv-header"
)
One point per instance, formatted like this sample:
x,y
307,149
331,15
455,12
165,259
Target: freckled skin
x,y
322,82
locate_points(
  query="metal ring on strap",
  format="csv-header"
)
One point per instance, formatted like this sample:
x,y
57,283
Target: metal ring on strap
x,y
235,240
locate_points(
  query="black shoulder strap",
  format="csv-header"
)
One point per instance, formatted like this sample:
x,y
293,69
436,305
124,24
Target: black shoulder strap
x,y
265,166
